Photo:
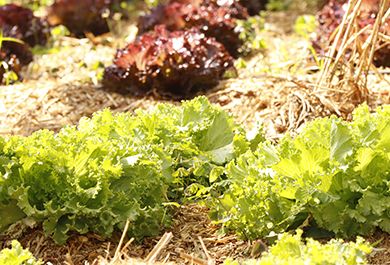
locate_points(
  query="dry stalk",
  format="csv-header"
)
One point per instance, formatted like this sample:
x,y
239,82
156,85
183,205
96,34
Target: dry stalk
x,y
210,260
151,258
193,260
118,249
120,257
349,59
333,49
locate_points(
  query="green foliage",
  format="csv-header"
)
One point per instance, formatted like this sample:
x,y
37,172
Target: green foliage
x,y
307,6
11,214
152,3
113,168
117,167
334,175
305,25
9,76
17,256
250,33
278,5
291,250
33,4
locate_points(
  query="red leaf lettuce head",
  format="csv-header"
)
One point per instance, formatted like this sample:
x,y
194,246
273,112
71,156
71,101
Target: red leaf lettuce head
x,y
20,23
178,63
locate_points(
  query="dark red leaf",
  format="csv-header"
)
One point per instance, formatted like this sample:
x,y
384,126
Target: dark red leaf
x,y
20,23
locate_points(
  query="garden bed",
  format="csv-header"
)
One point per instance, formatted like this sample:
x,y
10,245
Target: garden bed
x,y
276,88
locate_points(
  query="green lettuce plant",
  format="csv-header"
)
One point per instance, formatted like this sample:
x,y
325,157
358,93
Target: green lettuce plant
x,y
335,175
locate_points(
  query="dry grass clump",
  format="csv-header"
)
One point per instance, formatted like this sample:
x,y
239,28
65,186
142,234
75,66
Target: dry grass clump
x,y
121,258
192,238
348,63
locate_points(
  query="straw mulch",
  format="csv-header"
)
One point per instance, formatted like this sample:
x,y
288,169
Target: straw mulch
x,y
191,229
192,239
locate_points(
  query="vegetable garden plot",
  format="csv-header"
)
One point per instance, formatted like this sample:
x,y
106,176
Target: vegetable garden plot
x,y
275,87
60,87
64,76
330,175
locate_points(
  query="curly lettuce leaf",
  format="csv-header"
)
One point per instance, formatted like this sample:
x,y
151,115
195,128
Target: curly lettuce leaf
x,y
16,255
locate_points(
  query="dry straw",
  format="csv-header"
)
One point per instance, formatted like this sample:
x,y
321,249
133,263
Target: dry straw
x,y
344,76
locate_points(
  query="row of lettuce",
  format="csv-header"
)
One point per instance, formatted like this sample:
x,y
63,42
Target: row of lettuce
x,y
333,177
112,168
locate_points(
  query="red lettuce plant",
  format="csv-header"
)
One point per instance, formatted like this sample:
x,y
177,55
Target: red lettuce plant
x,y
330,17
81,16
178,63
214,18
19,23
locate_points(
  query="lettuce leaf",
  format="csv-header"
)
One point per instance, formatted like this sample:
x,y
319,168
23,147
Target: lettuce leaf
x,y
16,255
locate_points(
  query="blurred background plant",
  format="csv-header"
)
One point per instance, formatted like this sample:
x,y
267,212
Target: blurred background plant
x,y
250,33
